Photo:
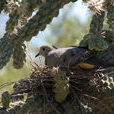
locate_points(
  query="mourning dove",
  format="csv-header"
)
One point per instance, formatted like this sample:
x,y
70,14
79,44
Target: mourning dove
x,y
66,57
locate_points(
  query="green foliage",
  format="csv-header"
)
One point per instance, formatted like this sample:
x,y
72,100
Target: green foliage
x,y
73,33
69,31
9,74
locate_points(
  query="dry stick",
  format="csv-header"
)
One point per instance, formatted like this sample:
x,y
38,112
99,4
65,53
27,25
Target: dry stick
x,y
7,84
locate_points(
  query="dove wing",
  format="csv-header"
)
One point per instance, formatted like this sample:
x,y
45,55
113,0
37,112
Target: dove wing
x,y
76,55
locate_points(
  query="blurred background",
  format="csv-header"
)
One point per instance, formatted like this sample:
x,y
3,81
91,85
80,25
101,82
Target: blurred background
x,y
65,30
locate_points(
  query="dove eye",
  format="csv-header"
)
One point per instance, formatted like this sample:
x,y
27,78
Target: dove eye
x,y
43,49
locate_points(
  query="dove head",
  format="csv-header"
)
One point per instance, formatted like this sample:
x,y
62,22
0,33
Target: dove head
x,y
44,50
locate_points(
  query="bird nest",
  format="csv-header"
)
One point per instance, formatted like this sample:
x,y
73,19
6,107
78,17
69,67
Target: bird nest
x,y
63,87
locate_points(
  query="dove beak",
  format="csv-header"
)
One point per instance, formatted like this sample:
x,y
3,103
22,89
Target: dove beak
x,y
37,55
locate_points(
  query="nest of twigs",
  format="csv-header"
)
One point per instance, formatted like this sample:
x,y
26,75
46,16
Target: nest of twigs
x,y
55,89
79,82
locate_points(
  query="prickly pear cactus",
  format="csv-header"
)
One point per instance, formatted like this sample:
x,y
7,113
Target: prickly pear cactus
x,y
19,15
61,86
2,4
5,99
94,42
19,56
110,16
6,50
